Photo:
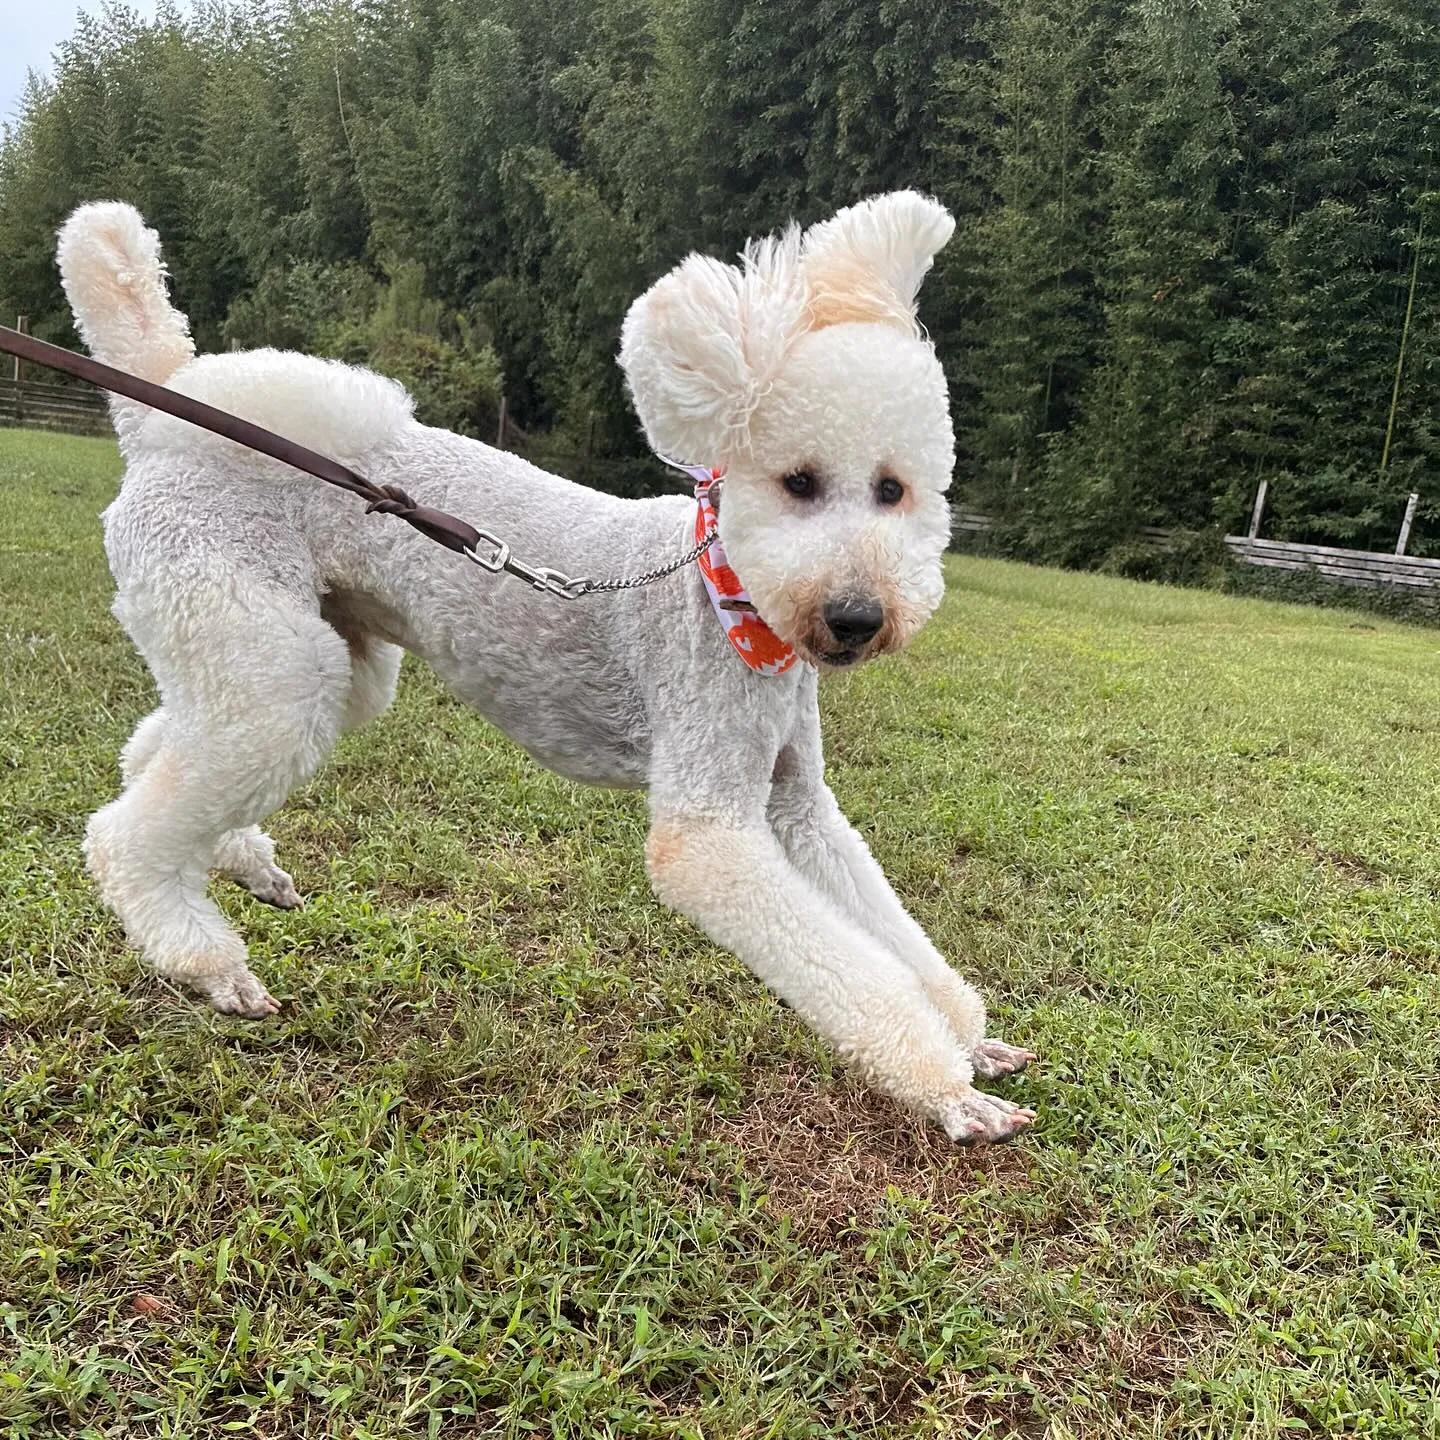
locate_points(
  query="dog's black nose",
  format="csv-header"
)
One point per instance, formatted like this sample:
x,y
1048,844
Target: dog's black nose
x,y
854,619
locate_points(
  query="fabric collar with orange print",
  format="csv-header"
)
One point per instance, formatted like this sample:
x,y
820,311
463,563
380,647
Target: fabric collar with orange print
x,y
750,637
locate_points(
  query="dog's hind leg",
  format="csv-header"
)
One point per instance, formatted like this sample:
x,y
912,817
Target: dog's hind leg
x,y
246,855
255,688
141,747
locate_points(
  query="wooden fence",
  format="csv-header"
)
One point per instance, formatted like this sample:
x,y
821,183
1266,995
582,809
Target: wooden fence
x,y
1371,568
53,407
970,521
40,405
1374,569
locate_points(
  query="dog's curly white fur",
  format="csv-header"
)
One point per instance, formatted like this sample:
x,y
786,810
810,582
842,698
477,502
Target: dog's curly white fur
x,y
273,616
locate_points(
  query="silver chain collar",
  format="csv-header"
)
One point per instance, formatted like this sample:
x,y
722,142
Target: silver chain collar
x,y
555,582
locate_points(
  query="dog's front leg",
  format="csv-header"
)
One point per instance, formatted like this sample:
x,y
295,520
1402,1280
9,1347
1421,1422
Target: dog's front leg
x,y
731,877
826,848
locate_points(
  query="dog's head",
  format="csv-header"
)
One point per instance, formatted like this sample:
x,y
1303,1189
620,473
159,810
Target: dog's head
x,y
805,374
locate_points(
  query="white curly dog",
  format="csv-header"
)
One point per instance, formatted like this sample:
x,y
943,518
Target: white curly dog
x,y
273,616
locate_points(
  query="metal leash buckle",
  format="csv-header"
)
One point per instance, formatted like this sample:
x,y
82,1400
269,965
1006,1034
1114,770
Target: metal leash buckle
x,y
498,558
537,577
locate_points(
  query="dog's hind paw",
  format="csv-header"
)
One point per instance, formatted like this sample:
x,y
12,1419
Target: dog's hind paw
x,y
236,992
992,1059
976,1116
248,857
272,887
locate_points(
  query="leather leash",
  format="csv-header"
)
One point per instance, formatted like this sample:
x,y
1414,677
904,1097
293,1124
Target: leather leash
x,y
436,525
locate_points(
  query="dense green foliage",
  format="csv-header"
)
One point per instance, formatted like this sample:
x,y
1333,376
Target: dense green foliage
x,y
524,1155
1191,233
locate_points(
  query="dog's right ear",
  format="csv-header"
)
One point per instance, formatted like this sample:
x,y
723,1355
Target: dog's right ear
x,y
700,347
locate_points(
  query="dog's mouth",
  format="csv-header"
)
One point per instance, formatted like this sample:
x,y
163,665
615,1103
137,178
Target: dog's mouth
x,y
823,649
830,647
827,655
827,651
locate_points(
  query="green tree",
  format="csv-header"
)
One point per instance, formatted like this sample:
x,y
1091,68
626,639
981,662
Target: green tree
x,y
1138,452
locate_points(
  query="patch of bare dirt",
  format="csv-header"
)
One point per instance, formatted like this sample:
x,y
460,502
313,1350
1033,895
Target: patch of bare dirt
x,y
831,1155
421,890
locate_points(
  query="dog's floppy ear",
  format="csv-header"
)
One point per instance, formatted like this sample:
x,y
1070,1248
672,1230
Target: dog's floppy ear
x,y
700,347
866,262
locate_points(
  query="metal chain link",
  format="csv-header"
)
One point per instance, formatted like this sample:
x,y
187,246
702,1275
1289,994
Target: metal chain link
x,y
649,577
554,582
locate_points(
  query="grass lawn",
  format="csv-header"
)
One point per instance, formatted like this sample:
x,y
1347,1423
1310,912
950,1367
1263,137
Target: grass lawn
x,y
524,1153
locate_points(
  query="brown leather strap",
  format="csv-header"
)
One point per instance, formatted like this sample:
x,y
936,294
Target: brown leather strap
x,y
446,530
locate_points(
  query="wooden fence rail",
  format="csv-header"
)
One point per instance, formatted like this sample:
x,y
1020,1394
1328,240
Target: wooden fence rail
x,y
971,521
53,407
1371,568
1376,569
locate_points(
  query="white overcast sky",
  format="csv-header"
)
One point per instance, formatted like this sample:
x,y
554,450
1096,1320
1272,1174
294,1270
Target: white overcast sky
x,y
29,32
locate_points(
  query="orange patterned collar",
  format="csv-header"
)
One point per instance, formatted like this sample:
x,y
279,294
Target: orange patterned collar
x,y
752,639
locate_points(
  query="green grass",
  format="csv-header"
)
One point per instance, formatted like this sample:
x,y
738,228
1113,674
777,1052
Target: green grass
x,y
525,1154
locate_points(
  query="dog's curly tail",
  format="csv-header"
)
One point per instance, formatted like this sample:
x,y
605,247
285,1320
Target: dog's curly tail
x,y
114,278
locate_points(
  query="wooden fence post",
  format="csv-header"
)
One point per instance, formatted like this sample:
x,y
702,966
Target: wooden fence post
x,y
22,324
1259,509
500,432
1405,524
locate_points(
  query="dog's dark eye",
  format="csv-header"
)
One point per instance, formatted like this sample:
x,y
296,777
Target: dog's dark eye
x,y
889,491
802,484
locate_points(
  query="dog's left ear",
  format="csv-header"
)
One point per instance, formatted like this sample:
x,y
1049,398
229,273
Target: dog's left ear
x,y
866,262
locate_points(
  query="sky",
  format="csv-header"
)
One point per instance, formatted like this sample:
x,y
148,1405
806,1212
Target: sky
x,y
29,32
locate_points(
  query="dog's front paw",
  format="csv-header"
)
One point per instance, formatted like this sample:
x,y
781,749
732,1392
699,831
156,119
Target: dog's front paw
x,y
976,1116
992,1059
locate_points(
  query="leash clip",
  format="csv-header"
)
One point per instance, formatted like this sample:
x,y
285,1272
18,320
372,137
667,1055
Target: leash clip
x,y
538,577
543,579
